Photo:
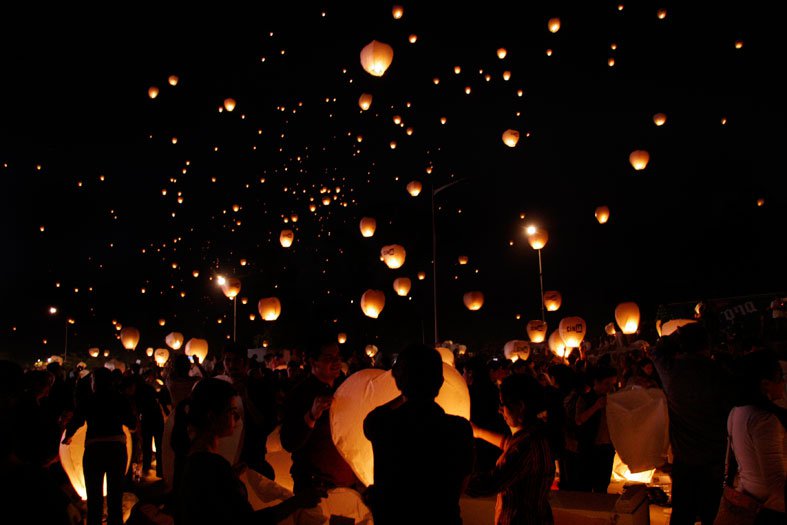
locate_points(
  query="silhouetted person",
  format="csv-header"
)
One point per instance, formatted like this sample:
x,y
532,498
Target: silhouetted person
x,y
596,453
422,456
484,404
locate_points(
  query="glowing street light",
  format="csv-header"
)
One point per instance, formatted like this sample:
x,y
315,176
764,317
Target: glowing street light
x,y
538,237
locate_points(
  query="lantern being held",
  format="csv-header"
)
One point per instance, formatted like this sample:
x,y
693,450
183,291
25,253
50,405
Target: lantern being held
x,y
372,303
174,340
515,350
368,226
557,346
473,300
71,459
270,308
537,331
627,317
402,286
572,331
376,57
602,214
129,337
552,300
393,256
197,347
161,356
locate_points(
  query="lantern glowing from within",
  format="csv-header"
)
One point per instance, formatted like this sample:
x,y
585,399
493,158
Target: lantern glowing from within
x,y
153,92
602,214
106,353
421,276
760,202
536,331
371,350
552,300
270,308
515,350
173,80
447,355
393,256
609,328
372,303
554,25
342,338
149,351
376,57
672,325
639,159
572,331
556,345
473,300
659,119
161,356
501,53
174,340
93,352
129,337
538,239
510,137
229,104
397,11
71,459
463,259
197,347
367,389
368,226
231,287
402,286
365,101
414,188
627,317
286,237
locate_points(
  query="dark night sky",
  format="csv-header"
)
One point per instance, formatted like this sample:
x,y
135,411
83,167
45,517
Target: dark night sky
x,y
75,102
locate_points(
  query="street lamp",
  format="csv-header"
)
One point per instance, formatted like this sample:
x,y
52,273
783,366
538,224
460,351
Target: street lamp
x,y
538,237
53,311
231,288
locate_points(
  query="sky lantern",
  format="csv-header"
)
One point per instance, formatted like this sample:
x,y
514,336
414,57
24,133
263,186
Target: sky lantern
x,y
510,137
162,322
231,287
174,340
501,53
760,202
552,300
554,25
286,237
372,303
402,286
602,214
639,159
661,14
393,256
129,337
421,276
270,308
659,119
473,300
627,317
197,347
516,350
572,331
229,104
414,188
412,38
173,80
397,11
93,352
376,57
537,237
365,101
368,226
463,259
672,325
341,338
71,459
149,351
537,331
556,345
609,328
153,92
161,356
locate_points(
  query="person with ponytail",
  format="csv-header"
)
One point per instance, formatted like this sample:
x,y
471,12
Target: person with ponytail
x,y
207,489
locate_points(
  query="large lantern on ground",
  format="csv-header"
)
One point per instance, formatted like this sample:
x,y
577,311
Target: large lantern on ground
x,y
286,237
368,226
515,350
536,331
552,300
372,303
376,57
174,340
231,287
129,337
393,256
402,286
414,188
473,300
627,317
602,214
572,331
270,308
197,347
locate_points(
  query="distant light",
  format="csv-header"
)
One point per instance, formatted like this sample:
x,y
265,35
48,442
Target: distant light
x,y
52,310
530,230
220,280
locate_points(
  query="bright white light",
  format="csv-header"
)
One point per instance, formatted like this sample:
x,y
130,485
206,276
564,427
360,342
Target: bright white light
x,y
220,280
52,310
530,230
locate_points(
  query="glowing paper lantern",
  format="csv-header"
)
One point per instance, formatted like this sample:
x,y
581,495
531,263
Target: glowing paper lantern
x,y
510,137
627,317
536,331
368,226
672,325
371,350
556,345
397,11
161,356
609,328
342,338
552,300
149,351
197,347
106,353
501,53
286,237
393,256
421,276
554,25
365,101
760,202
639,159
229,104
659,119
372,303
402,286
414,188
129,337
602,214
572,331
515,350
71,459
376,57
153,92
270,308
174,340
55,359
173,80
231,287
473,300
538,238
367,389
93,352
463,259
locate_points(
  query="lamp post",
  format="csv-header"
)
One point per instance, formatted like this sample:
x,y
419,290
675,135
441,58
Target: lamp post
x,y
231,288
53,311
538,237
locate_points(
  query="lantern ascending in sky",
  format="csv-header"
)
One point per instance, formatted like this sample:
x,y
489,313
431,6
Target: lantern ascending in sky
x,y
93,352
572,331
402,286
365,101
553,300
161,356
129,337
556,345
463,259
627,317
515,350
371,350
372,303
229,104
286,237
197,347
537,237
510,137
609,328
376,57
659,119
231,287
368,226
397,11
473,300
270,308
393,256
639,159
153,92
554,25
174,340
602,214
537,331
501,53
173,80
342,338
414,188
149,351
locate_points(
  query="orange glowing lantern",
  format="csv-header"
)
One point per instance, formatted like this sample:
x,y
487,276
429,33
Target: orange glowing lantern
x,y
342,338
421,276
402,286
553,300
397,11
516,350
376,57
231,287
537,237
229,104
463,259
536,331
572,331
473,300
371,350
602,214
197,347
365,101
393,256
627,317
609,328
554,25
286,237
153,92
672,325
368,226
149,351
557,346
173,80
93,352
414,188
129,337
161,356
269,308
501,53
372,303
659,119
639,159
510,137
174,340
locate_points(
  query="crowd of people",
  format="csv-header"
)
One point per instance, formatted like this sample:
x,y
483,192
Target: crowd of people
x,y
536,425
